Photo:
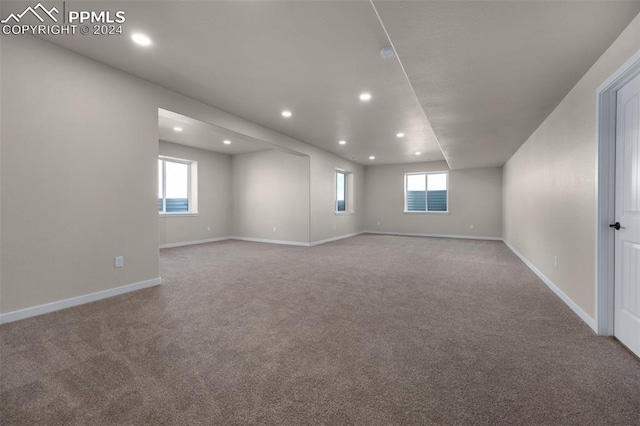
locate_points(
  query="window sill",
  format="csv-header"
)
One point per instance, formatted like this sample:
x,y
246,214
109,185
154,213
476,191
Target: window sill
x,y
414,212
177,214
343,213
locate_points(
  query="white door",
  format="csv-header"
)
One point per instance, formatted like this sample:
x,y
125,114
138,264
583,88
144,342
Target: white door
x,y
627,238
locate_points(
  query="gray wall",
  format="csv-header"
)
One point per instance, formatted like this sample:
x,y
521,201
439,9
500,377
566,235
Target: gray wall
x,y
550,183
475,198
271,190
214,198
325,224
79,173
79,158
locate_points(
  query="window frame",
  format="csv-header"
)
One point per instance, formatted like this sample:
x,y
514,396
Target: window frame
x,y
348,189
345,190
427,211
191,201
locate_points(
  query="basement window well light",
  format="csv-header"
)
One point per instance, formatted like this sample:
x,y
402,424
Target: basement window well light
x,y
426,192
344,192
177,186
341,191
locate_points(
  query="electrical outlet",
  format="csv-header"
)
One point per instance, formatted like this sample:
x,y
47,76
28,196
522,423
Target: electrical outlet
x,y
274,229
119,262
209,228
471,226
555,261
378,223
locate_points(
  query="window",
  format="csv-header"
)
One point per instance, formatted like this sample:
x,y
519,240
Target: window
x,y
175,186
426,192
341,191
343,195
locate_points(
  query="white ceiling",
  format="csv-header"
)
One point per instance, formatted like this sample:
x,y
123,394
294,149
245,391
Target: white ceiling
x,y
485,72
198,134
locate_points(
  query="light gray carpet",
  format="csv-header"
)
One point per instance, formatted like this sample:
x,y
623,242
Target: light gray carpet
x,y
369,330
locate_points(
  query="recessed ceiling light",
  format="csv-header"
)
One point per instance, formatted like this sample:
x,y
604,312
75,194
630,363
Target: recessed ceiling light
x,y
226,142
286,113
177,129
365,96
373,157
400,135
418,153
141,39
342,142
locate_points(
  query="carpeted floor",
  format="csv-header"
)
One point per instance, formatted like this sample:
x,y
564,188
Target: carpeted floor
x,y
369,330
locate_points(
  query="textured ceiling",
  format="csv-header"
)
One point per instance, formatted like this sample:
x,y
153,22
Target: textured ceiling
x,y
198,134
486,73
257,58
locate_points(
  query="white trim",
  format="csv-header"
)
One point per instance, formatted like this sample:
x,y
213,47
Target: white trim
x,y
175,159
413,234
426,186
605,191
192,186
260,240
190,243
328,240
348,189
75,301
624,68
566,299
268,241
425,212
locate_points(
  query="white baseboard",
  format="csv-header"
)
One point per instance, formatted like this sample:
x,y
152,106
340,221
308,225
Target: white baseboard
x,y
566,299
190,243
260,240
339,237
75,301
413,234
264,240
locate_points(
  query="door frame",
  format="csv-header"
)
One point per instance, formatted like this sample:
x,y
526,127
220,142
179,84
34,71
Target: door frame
x,y
605,191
